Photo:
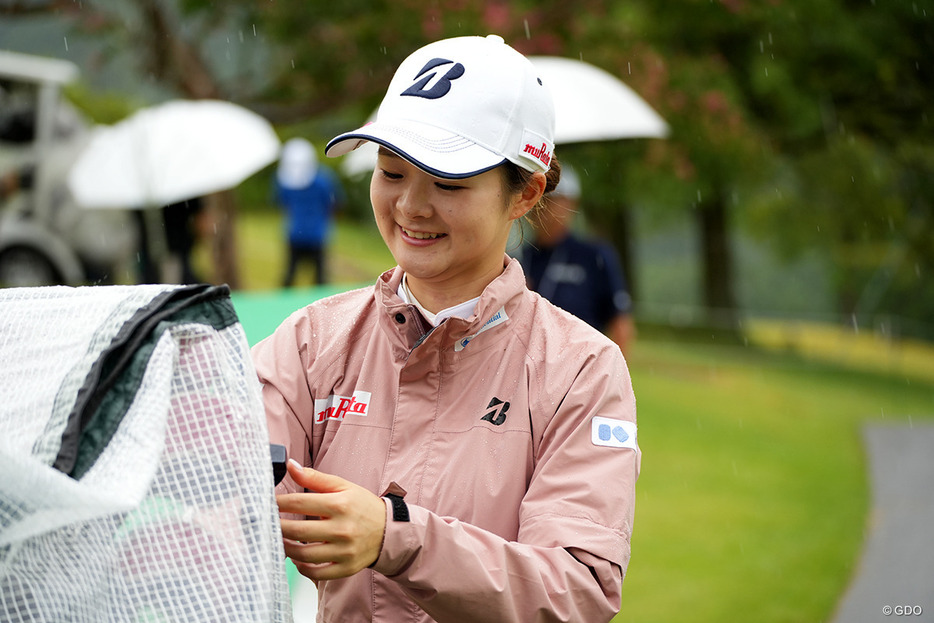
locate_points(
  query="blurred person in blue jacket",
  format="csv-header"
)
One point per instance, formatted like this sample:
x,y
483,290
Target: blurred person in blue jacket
x,y
579,274
310,193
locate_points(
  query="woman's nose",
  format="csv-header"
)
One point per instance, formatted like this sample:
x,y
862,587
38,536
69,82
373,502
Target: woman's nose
x,y
414,200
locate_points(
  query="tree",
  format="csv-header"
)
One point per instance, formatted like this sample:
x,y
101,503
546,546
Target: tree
x,y
811,116
846,103
683,62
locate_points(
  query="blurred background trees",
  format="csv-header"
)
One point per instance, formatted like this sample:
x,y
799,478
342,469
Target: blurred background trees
x,y
799,127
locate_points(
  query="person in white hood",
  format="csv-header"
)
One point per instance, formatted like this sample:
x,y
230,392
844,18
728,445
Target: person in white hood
x,y
310,194
461,449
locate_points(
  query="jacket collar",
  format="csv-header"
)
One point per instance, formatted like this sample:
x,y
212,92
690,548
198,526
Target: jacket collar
x,y
502,294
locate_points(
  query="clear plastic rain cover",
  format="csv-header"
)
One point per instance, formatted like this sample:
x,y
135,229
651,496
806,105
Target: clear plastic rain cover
x,y
135,474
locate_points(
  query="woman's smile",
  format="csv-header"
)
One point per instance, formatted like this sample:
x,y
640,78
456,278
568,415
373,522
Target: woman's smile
x,y
420,236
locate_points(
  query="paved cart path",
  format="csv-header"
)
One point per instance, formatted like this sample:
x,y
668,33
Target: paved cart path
x,y
897,566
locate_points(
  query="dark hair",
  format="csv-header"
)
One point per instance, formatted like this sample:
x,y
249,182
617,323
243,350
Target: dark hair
x,y
515,179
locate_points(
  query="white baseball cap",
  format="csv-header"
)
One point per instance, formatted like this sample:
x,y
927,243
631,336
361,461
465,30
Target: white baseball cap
x,y
458,107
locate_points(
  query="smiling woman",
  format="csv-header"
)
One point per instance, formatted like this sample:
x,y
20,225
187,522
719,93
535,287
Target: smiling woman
x,y
449,413
448,236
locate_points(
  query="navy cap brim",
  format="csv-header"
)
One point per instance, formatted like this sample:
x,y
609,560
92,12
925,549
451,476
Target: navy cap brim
x,y
435,151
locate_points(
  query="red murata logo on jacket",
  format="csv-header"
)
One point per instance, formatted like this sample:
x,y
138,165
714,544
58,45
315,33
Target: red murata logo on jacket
x,y
335,407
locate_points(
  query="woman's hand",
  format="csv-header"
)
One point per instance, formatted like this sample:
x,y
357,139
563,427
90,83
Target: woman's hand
x,y
345,532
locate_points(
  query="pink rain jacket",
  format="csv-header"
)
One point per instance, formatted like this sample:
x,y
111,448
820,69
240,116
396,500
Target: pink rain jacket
x,y
512,434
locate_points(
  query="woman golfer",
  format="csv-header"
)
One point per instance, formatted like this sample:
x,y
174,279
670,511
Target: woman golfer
x,y
469,449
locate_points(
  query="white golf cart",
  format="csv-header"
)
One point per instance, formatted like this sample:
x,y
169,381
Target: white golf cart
x,y
45,238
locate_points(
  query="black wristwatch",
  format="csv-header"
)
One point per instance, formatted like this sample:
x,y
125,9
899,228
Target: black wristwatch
x,y
400,512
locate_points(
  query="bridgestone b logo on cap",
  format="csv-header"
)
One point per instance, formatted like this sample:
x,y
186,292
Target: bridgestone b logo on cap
x,y
441,87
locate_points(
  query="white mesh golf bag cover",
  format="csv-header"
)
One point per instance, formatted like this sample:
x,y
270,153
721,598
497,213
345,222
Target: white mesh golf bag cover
x,y
135,474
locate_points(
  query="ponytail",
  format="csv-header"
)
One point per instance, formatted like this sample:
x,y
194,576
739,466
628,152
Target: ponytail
x,y
516,179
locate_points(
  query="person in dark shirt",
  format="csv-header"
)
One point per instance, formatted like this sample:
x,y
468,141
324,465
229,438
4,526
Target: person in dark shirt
x,y
578,274
181,235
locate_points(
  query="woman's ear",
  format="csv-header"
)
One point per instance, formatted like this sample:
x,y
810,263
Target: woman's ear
x,y
529,197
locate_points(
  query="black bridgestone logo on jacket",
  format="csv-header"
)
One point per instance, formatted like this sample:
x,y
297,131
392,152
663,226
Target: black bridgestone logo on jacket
x,y
497,413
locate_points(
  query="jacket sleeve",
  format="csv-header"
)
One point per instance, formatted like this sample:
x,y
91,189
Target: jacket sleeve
x,y
289,407
576,519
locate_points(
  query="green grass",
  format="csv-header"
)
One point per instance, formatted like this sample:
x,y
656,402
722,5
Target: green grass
x,y
752,502
753,495
357,255
862,350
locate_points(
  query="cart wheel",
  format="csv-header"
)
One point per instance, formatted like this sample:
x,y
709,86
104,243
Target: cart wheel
x,y
23,266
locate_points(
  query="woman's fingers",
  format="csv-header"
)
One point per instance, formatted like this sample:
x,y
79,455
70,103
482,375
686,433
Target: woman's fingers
x,y
344,532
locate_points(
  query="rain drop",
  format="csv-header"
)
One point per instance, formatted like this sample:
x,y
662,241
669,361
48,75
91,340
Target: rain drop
x,y
528,35
66,43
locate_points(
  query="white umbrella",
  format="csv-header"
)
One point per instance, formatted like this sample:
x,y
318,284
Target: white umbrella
x,y
171,152
590,105
361,160
594,105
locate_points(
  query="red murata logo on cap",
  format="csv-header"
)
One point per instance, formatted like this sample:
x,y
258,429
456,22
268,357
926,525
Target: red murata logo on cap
x,y
539,153
336,407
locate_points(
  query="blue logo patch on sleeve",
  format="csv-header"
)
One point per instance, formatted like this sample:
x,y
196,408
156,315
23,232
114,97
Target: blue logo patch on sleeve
x,y
613,433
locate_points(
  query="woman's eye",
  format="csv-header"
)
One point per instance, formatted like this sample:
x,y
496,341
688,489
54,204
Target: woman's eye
x,y
390,175
449,187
